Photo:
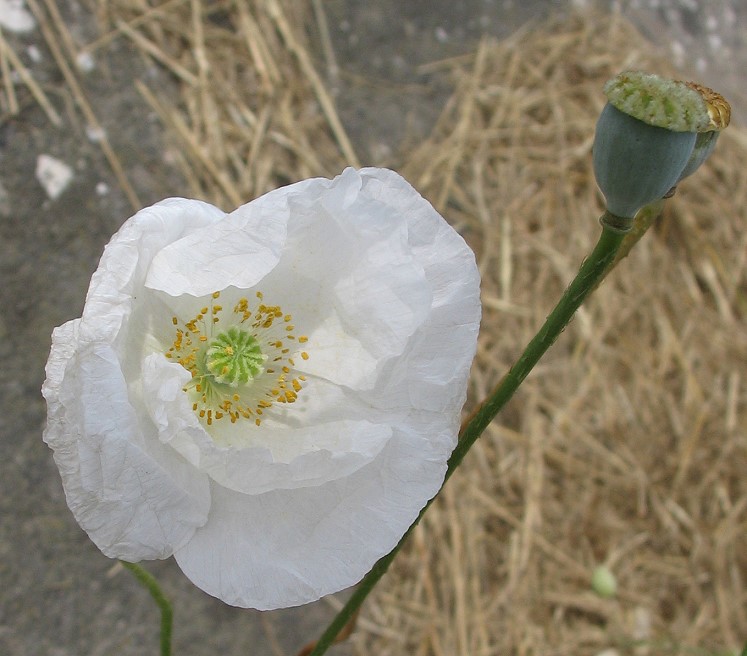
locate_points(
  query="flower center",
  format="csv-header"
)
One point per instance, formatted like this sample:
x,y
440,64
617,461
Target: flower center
x,y
242,368
234,357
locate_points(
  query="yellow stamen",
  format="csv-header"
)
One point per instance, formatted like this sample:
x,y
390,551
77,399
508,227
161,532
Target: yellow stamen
x,y
211,400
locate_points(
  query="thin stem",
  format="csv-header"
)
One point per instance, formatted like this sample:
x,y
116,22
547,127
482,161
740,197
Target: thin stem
x,y
591,273
148,581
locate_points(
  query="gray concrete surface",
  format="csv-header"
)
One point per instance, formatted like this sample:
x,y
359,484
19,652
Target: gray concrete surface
x,y
58,595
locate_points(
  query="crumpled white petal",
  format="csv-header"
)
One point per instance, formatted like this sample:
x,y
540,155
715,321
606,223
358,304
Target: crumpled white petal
x,y
119,278
132,496
302,502
285,549
280,457
235,253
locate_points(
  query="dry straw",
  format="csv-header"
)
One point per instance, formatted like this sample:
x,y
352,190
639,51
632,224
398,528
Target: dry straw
x,y
252,113
628,444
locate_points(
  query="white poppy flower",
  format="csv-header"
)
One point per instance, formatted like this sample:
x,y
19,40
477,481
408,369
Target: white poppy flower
x,y
269,395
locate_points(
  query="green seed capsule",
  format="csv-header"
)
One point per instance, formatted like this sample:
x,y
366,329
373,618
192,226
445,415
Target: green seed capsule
x,y
636,163
653,133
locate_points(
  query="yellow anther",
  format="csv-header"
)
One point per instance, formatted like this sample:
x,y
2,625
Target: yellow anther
x,y
304,355
216,294
174,320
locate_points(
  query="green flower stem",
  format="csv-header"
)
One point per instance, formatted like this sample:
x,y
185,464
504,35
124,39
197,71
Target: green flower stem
x,y
643,221
148,581
591,273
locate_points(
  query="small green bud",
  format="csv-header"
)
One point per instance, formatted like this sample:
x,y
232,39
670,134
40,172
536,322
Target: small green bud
x,y
603,582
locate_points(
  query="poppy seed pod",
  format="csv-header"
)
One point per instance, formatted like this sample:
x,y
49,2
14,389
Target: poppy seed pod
x,y
636,163
652,133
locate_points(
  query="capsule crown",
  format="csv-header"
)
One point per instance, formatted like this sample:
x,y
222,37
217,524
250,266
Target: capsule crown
x,y
665,103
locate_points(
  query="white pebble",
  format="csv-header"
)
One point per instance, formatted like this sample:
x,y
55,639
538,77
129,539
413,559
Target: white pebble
x,y
4,201
641,623
14,16
34,53
678,52
53,174
85,62
95,134
715,43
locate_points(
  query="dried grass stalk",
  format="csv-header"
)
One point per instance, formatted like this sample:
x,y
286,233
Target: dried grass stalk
x,y
253,112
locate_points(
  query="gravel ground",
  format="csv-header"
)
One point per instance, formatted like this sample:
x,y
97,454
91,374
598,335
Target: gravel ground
x,y
58,594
